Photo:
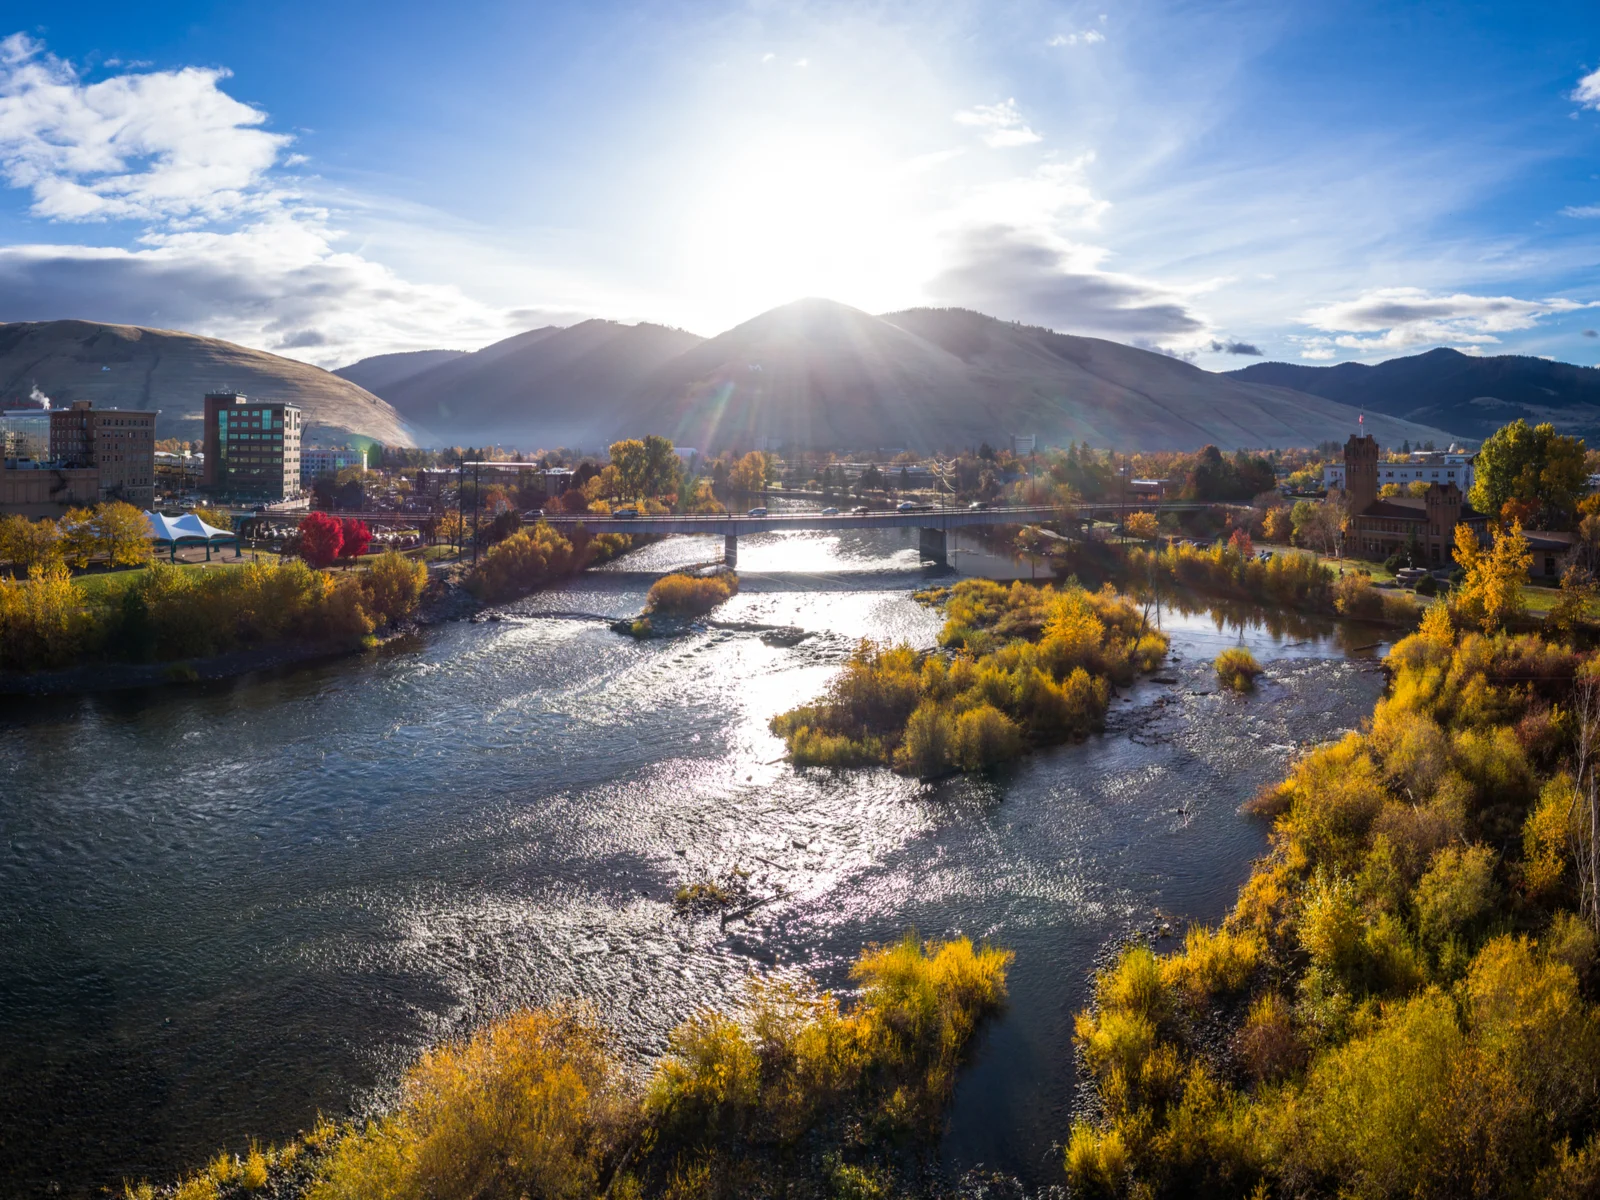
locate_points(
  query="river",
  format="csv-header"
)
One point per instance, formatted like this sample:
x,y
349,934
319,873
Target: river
x,y
230,907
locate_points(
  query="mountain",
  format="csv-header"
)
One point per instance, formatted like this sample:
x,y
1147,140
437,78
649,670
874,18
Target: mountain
x,y
128,366
548,387
1468,395
386,370
823,375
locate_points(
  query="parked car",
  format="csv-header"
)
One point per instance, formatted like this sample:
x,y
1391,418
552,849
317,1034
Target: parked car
x,y
624,512
830,511
756,512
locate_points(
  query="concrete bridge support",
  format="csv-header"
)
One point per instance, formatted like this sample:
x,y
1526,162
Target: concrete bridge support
x,y
931,544
730,550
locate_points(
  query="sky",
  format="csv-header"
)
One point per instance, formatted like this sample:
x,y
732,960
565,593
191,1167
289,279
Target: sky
x,y
1308,182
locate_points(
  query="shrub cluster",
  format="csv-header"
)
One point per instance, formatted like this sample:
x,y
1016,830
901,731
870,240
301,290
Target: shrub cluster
x,y
1290,580
690,595
543,1103
1023,666
1406,975
531,558
167,612
1237,668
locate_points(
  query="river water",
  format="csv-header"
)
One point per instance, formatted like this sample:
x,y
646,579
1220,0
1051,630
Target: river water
x,y
229,908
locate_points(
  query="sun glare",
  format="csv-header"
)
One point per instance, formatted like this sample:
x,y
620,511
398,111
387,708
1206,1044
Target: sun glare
x,y
803,216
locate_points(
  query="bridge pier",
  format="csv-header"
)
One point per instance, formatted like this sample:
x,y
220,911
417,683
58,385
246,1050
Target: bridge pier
x,y
931,545
730,550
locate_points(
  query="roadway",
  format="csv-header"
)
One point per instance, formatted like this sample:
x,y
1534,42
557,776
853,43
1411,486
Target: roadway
x,y
735,524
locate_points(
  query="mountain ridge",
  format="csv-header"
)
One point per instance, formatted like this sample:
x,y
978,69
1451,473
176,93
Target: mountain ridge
x,y
1470,395
820,374
130,366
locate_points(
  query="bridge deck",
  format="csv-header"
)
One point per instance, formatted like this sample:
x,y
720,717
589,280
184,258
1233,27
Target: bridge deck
x,y
734,524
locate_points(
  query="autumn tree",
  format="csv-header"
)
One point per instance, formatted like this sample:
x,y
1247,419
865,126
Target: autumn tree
x,y
1143,525
29,545
1573,602
77,537
1491,593
321,538
749,475
123,533
1533,464
1276,525
354,538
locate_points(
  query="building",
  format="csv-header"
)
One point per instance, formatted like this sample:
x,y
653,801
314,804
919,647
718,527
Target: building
x,y
1422,466
35,489
25,434
315,460
1381,527
252,448
118,443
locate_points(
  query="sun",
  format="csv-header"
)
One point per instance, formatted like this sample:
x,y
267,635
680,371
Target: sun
x,y
802,215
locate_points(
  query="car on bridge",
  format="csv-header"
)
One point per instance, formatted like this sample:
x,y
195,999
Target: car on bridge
x,y
830,511
913,506
624,512
756,512
860,510
978,505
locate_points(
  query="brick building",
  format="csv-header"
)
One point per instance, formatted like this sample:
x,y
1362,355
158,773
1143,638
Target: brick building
x,y
118,443
1381,527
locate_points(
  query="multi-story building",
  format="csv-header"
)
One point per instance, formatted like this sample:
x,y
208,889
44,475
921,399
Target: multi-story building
x,y
1421,466
1381,527
252,448
315,460
25,433
118,443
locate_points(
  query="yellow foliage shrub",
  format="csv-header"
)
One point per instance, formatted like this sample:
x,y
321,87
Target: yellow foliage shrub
x,y
691,595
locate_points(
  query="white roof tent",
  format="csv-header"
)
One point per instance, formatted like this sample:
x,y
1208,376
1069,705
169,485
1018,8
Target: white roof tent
x,y
188,529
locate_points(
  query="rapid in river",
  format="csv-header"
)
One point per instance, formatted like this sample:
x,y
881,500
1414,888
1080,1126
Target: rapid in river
x,y
227,908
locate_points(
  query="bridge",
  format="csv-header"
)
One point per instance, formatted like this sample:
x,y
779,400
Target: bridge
x,y
933,522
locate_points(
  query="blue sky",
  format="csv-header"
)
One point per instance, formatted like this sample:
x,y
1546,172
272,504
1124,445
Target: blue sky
x,y
1317,182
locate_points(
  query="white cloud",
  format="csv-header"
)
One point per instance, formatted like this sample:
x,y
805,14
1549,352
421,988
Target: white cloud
x,y
1088,37
1398,319
1588,90
1581,210
1003,124
154,146
280,285
226,250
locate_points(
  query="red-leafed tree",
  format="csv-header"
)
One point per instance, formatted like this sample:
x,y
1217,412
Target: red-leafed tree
x,y
1240,541
321,539
357,537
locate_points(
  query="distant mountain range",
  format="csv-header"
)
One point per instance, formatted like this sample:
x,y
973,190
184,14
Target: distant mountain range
x,y
125,366
1469,395
823,375
814,374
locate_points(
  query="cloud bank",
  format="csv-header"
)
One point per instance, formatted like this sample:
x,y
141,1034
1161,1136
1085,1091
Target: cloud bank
x,y
228,249
1400,319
